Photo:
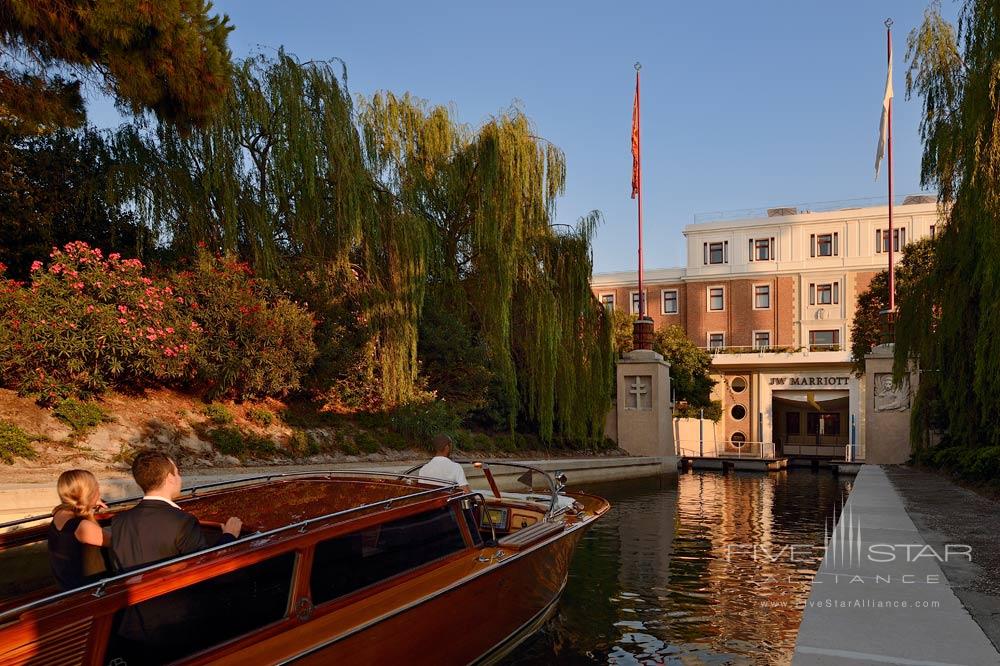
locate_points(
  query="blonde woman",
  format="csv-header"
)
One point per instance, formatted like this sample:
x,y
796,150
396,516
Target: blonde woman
x,y
74,535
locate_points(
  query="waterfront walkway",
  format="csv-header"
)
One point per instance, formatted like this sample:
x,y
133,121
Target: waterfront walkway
x,y
880,596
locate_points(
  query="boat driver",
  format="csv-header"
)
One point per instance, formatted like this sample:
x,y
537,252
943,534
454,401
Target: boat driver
x,y
441,466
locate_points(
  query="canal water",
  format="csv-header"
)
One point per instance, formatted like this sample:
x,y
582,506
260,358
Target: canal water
x,y
707,568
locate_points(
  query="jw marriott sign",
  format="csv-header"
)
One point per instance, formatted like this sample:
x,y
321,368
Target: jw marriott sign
x,y
809,381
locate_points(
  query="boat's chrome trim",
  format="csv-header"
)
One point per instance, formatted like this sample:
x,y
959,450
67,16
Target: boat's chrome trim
x,y
97,588
458,583
553,485
193,490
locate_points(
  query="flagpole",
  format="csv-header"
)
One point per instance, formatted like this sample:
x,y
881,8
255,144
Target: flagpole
x,y
642,295
892,237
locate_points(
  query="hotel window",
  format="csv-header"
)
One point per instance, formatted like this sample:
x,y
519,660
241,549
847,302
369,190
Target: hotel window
x,y
716,298
824,340
716,340
761,339
822,424
792,425
824,245
608,301
669,301
933,230
716,253
824,294
634,305
898,239
760,249
761,297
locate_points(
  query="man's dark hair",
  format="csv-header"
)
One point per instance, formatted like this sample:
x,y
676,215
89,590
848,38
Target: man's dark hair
x,y
150,469
441,443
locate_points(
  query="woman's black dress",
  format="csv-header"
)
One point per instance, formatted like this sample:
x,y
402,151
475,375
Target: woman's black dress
x,y
66,554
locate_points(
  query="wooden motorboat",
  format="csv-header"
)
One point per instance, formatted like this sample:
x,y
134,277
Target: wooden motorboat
x,y
332,567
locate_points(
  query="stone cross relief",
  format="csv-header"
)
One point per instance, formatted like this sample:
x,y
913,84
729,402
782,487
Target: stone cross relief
x,y
638,393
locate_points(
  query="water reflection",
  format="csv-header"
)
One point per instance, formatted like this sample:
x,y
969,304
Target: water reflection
x,y
709,568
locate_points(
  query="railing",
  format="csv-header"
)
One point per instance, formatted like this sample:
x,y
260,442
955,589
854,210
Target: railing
x,y
768,349
554,482
97,588
810,207
692,448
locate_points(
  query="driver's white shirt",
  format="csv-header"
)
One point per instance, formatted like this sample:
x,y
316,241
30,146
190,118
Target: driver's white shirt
x,y
442,467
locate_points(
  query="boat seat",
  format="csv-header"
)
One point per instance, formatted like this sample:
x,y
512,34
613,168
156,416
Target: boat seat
x,y
527,536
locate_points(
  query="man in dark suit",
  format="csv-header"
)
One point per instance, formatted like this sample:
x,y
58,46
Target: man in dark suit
x,y
156,529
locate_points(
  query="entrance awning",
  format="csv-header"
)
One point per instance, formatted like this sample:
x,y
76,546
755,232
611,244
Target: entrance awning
x,y
828,399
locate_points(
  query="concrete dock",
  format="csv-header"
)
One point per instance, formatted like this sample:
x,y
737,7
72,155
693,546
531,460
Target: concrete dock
x,y
880,596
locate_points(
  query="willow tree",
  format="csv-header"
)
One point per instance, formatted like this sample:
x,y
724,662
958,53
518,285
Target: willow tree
x,y
488,195
281,179
949,322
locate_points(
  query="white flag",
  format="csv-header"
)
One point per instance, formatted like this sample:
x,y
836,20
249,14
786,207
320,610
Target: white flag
x,y
883,132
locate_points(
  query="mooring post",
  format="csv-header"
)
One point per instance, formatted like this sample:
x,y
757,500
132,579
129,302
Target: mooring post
x,y
701,432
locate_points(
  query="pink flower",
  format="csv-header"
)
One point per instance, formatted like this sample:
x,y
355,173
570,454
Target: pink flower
x,y
78,286
122,320
114,256
90,308
170,329
151,337
35,266
122,309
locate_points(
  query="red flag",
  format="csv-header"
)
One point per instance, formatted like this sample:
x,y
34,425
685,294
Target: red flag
x,y
636,169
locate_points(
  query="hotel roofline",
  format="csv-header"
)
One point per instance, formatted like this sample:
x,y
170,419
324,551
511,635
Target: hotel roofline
x,y
776,219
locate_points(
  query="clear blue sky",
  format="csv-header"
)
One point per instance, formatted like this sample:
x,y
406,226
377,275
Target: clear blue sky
x,y
744,104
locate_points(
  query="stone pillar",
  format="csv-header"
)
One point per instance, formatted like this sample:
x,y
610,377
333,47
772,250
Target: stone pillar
x,y
645,415
887,410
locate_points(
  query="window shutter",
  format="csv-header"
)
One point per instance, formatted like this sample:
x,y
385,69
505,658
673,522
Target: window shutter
x,y
836,293
706,253
878,241
812,245
836,248
725,252
812,293
751,249
772,250
902,237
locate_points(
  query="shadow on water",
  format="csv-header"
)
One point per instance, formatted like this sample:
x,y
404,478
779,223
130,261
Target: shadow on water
x,y
705,568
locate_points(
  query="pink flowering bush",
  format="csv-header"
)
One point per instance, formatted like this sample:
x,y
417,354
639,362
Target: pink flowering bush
x,y
255,342
87,322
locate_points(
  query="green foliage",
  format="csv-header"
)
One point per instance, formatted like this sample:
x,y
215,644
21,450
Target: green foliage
x,y
713,411
255,343
913,269
80,416
57,188
232,441
420,422
260,416
968,463
690,367
218,414
623,325
88,323
948,321
170,58
14,442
